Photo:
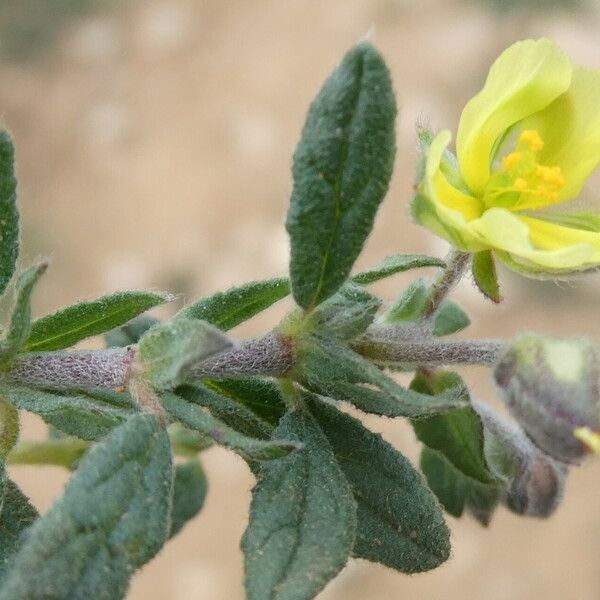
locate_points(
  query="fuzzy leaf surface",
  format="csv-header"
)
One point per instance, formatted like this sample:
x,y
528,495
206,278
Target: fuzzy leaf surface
x,y
302,518
342,167
450,318
70,325
457,434
17,514
81,415
200,420
130,333
189,492
9,223
236,305
396,264
400,522
113,518
168,349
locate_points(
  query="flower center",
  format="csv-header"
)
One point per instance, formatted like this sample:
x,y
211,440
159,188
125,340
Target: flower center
x,y
522,182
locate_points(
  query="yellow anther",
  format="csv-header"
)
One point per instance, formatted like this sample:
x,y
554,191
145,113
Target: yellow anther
x,y
520,184
590,438
511,160
531,138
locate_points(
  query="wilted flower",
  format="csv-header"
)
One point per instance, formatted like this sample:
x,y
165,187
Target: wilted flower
x,y
525,146
552,388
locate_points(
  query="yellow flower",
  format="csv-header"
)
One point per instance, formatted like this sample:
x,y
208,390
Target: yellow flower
x,y
525,146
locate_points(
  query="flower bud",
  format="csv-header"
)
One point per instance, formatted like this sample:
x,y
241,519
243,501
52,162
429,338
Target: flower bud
x,y
534,482
552,388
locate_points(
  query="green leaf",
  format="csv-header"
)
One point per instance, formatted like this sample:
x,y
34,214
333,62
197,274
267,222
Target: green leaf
x,y
229,411
113,518
302,518
261,396
9,222
347,313
9,429
330,369
410,305
396,264
167,350
457,434
20,319
79,414
232,307
449,319
484,274
189,491
64,452
130,333
400,523
342,167
457,492
16,516
70,325
249,448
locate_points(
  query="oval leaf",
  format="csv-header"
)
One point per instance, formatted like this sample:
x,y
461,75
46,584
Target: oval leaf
x,y
342,168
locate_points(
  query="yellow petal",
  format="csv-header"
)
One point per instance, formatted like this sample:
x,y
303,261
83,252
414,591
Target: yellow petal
x,y
570,128
443,208
518,237
525,79
590,438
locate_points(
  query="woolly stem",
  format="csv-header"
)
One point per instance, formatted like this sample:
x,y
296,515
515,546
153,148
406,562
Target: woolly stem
x,y
456,263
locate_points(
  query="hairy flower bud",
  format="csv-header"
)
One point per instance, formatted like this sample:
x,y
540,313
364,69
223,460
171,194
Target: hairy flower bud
x,y
552,388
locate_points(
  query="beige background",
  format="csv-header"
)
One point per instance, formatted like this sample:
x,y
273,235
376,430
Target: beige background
x,y
154,143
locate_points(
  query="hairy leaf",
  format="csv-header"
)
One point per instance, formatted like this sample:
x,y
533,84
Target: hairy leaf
x,y
81,415
202,421
302,518
20,319
261,396
229,411
342,167
9,221
130,333
330,369
168,349
396,264
113,518
484,274
347,313
410,305
17,514
457,492
400,523
232,307
449,319
189,491
70,325
458,434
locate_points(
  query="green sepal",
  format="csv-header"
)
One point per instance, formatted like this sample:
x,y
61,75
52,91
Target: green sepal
x,y
397,263
167,350
236,305
400,523
457,434
189,492
342,167
113,518
79,414
247,447
20,318
9,220
67,326
302,518
485,277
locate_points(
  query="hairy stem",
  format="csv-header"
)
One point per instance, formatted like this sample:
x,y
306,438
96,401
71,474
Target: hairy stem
x,y
456,263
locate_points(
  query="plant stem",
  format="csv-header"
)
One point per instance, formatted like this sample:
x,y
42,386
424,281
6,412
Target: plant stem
x,y
456,264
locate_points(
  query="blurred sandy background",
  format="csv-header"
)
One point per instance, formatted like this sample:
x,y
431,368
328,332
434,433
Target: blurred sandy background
x,y
154,143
